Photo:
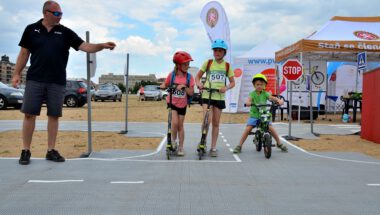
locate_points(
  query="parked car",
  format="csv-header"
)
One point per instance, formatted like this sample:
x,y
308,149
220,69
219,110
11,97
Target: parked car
x,y
92,89
164,93
108,92
152,92
76,93
10,96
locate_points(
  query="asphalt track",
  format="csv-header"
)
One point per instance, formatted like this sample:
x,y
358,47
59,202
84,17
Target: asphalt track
x,y
144,182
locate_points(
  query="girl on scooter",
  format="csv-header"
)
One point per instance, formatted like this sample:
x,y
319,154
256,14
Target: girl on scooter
x,y
184,83
217,71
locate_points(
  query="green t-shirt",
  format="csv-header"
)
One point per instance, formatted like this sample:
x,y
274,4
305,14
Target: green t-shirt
x,y
216,77
258,99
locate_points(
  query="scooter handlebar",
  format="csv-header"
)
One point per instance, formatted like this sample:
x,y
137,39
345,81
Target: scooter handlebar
x,y
210,90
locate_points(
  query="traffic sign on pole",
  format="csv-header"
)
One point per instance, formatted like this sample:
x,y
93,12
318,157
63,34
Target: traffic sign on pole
x,y
362,60
292,69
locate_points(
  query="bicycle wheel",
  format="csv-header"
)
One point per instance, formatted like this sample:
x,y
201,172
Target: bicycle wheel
x,y
257,142
267,145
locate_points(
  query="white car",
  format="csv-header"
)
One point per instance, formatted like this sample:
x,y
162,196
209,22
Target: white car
x,y
152,92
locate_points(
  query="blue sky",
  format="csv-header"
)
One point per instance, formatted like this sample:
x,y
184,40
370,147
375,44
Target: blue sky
x,y
151,31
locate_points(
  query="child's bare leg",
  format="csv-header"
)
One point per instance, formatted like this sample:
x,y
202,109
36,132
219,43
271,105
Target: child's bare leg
x,y
275,135
245,134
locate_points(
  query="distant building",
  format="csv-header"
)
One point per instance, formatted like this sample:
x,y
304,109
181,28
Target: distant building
x,y
6,71
111,78
133,79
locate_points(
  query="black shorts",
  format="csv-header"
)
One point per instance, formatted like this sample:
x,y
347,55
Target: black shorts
x,y
180,111
221,104
36,92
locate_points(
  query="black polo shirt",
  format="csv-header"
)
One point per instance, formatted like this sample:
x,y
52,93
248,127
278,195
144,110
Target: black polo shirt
x,y
49,51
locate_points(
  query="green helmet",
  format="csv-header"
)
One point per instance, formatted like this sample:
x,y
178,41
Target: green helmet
x,y
260,76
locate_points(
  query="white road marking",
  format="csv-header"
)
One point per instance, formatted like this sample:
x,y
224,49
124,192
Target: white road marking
x,y
374,185
130,158
237,158
344,125
182,161
230,149
327,157
127,182
54,181
163,141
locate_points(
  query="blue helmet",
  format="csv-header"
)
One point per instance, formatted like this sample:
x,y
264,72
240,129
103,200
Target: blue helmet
x,y
219,43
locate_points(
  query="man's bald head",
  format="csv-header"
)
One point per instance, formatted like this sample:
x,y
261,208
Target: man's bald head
x,y
47,5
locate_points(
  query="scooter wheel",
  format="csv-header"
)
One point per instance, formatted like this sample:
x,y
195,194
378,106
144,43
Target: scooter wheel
x,y
200,154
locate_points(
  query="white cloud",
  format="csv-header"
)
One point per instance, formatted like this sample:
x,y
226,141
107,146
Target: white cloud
x,y
153,30
141,46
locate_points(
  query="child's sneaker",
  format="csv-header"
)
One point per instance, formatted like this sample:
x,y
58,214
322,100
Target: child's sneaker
x,y
24,157
181,153
174,145
213,153
237,149
53,155
282,147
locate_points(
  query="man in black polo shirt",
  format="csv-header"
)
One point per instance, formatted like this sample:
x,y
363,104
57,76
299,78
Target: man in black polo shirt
x,y
47,43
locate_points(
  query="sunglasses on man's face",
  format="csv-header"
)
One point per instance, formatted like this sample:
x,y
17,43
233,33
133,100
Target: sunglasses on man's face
x,y
55,13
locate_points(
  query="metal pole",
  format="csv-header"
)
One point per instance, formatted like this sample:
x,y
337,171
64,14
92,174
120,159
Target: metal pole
x,y
357,80
311,101
126,97
290,137
88,100
310,98
290,107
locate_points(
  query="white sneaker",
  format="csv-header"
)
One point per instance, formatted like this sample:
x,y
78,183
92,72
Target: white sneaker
x,y
181,153
213,153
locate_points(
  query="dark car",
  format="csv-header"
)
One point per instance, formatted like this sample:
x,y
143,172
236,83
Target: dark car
x,y
76,93
10,96
108,92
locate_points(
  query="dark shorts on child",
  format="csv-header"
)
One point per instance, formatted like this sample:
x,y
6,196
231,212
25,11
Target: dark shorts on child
x,y
221,104
180,111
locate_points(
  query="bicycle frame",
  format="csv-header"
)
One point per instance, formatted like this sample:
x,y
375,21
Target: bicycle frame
x,y
262,135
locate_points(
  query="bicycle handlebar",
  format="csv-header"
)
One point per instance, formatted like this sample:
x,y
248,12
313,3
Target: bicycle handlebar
x,y
261,105
172,88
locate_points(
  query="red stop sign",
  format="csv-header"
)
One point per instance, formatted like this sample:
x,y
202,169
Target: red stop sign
x,y
292,69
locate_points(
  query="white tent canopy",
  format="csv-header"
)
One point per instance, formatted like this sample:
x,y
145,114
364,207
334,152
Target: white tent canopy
x,y
259,59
